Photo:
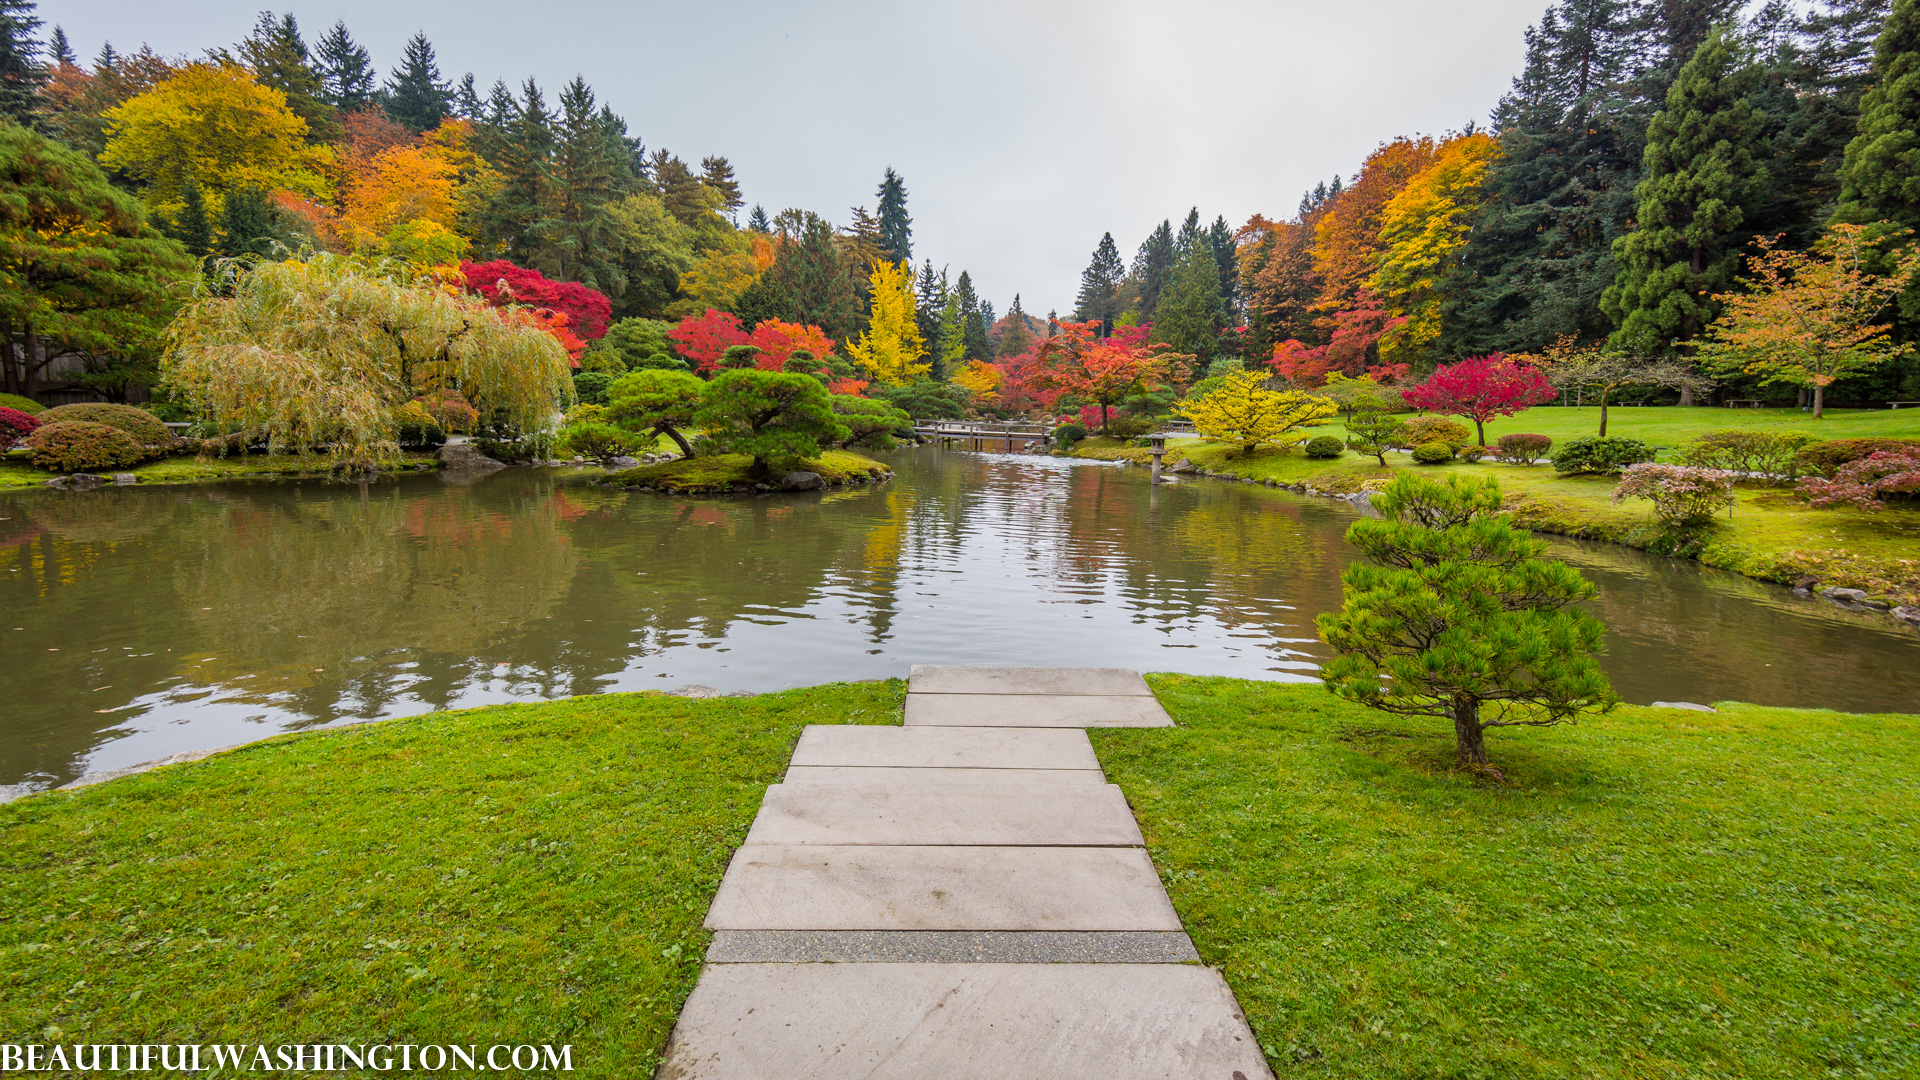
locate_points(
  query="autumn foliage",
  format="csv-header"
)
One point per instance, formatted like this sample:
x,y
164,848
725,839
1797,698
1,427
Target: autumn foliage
x,y
500,283
1481,388
1104,370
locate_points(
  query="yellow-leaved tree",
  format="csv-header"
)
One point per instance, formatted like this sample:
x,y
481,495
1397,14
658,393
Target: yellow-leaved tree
x,y
399,185
979,378
1422,229
891,348
1241,409
212,126
325,352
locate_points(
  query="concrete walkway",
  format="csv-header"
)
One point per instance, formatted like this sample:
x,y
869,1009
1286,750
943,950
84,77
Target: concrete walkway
x,y
962,896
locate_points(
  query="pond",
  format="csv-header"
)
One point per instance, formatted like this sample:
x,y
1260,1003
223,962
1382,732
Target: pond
x,y
146,621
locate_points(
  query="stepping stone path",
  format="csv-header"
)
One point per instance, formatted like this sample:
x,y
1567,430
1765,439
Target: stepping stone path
x,y
964,895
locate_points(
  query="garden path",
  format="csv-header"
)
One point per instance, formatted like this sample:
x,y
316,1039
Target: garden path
x,y
964,895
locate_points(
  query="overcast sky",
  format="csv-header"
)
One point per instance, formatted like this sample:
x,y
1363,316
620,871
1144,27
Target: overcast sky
x,y
1023,129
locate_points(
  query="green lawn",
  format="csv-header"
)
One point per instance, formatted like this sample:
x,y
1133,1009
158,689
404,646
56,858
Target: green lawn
x,y
1654,894
15,472
1771,534
523,873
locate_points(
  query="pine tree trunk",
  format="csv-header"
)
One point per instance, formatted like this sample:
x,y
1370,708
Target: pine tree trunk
x,y
1466,731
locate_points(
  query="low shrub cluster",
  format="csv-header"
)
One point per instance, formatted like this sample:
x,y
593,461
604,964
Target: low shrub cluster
x,y
23,404
1866,482
1129,427
15,426
1682,495
1325,446
1066,435
1600,454
67,446
1433,453
1520,448
1431,429
451,411
416,429
1827,458
591,386
597,440
1773,456
146,429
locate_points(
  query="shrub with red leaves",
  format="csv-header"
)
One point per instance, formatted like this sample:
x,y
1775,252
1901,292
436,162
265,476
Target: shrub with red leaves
x,y
15,426
1866,482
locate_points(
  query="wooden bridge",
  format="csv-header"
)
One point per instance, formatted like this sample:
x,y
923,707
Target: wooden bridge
x,y
1008,435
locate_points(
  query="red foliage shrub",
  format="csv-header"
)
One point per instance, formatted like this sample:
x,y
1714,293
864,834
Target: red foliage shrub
x,y
1524,449
14,426
1865,482
704,339
1481,388
500,283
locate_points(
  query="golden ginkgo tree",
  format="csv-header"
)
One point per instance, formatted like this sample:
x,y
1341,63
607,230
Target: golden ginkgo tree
x,y
891,348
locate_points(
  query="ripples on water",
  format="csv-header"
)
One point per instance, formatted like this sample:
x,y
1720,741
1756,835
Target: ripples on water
x,y
154,620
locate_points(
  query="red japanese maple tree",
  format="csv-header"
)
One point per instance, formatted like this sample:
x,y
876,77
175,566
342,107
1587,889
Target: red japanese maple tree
x,y
704,339
1349,350
1106,371
500,283
1481,388
777,341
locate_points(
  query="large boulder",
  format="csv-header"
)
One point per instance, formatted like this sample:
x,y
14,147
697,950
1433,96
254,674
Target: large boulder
x,y
1849,596
463,455
802,481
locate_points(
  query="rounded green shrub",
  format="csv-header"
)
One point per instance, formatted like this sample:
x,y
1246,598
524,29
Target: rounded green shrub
x,y
1129,427
67,446
1067,434
1324,446
597,440
24,404
1427,429
143,427
591,386
1472,453
1594,454
1522,448
1433,453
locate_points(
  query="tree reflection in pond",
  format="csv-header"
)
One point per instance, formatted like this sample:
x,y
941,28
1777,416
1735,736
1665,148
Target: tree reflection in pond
x,y
168,618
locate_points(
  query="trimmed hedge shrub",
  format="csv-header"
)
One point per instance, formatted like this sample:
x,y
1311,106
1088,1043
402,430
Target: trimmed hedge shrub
x,y
1325,446
1067,434
67,446
24,404
1429,429
1594,454
1770,455
591,387
1827,458
142,426
1129,427
598,440
1523,449
1432,453
14,426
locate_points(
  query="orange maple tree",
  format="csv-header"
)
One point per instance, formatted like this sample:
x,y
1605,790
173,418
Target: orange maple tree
x,y
1080,362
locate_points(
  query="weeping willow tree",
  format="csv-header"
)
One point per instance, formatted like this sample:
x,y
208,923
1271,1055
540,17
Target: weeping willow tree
x,y
321,353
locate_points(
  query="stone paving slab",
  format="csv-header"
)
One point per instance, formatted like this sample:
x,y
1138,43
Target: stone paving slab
x,y
954,679
1058,815
1033,711
863,744
951,947
925,1021
786,887
834,774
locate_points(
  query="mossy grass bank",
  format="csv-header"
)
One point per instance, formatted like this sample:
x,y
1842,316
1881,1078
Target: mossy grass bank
x,y
733,473
1657,893
17,472
1772,534
520,873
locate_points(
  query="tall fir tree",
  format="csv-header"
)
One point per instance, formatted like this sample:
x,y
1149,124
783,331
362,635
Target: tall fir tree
x,y
975,344
1702,162
517,141
278,56
347,77
59,49
811,269
1226,258
1152,265
466,103
1190,313
717,174
1018,336
191,226
929,304
415,96
896,227
758,220
249,224
589,168
21,72
1571,141
1099,294
1880,179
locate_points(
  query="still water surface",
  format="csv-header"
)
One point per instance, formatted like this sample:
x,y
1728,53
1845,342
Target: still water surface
x,y
142,622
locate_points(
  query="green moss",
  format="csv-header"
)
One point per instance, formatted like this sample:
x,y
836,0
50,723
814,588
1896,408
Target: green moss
x,y
723,472
1653,894
520,873
16,471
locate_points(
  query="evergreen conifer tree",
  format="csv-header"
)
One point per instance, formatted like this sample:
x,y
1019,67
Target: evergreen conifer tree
x,y
190,226
1880,179
21,73
466,100
758,220
279,58
346,70
1226,256
415,97
813,272
717,174
587,170
1100,286
975,345
1152,265
1190,313
929,303
896,228
1702,161
248,224
1016,338
59,51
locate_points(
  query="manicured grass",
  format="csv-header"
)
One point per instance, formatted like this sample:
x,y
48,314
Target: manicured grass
x,y
522,873
1772,535
1654,894
724,472
16,472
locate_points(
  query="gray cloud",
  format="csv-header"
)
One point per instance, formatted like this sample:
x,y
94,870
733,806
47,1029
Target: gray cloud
x,y
1023,130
